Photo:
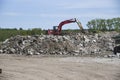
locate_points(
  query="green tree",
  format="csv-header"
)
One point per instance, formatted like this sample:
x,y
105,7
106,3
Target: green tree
x,y
104,25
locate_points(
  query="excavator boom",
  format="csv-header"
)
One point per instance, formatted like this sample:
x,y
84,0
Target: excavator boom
x,y
65,22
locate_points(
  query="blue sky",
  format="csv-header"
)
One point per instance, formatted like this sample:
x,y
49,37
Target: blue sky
x,y
45,14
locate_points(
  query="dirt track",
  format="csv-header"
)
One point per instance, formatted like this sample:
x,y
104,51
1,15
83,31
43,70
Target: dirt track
x,y
58,68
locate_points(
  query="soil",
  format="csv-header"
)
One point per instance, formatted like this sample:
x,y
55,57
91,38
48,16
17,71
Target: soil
x,y
58,68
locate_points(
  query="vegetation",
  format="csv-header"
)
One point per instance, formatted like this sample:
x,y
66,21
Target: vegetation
x,y
70,31
7,33
97,25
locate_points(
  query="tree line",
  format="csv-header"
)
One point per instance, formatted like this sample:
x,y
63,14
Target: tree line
x,y
104,24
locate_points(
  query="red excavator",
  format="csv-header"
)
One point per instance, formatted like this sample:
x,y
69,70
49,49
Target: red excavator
x,y
57,29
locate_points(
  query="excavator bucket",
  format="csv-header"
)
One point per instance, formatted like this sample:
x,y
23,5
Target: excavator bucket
x,y
79,24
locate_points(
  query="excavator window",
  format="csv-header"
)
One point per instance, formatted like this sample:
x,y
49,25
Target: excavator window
x,y
55,28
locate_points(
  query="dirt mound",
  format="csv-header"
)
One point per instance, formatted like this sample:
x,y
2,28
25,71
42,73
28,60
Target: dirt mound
x,y
78,44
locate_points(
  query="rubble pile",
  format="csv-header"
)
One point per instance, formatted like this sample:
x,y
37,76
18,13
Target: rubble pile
x,y
78,44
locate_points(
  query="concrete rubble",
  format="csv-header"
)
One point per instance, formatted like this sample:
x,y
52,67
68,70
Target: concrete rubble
x,y
78,44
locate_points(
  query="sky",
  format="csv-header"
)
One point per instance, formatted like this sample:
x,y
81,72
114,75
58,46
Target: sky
x,y
45,14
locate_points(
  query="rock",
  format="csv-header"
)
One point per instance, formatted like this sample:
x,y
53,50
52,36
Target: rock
x,y
30,52
86,39
12,50
118,55
75,52
37,53
109,56
97,36
6,41
1,51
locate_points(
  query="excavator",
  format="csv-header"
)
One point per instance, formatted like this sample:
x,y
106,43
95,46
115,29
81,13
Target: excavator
x,y
57,29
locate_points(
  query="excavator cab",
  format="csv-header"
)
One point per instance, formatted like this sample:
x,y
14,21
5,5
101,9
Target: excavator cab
x,y
54,31
55,28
